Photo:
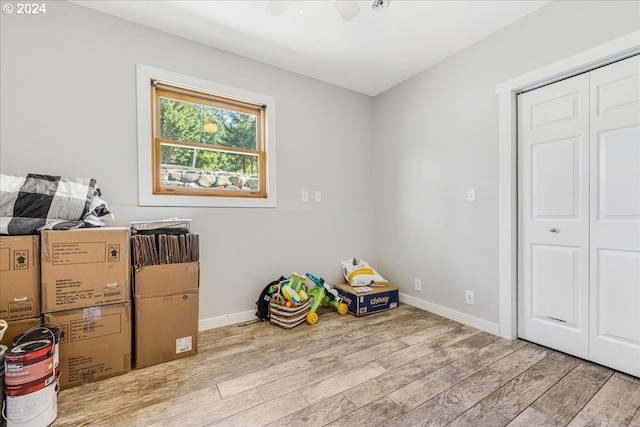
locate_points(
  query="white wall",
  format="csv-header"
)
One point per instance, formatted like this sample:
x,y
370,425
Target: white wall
x,y
436,135
68,108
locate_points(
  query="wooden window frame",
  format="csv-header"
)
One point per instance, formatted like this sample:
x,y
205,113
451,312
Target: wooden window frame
x,y
195,90
182,94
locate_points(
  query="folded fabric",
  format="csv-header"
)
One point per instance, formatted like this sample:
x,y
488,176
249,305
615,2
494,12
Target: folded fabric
x,y
359,273
30,203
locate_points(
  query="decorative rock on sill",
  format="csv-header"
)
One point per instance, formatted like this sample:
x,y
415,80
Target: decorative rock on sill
x,y
174,176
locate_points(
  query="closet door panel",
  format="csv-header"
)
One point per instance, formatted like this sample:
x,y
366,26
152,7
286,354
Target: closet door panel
x,y
617,295
553,292
617,189
615,216
555,284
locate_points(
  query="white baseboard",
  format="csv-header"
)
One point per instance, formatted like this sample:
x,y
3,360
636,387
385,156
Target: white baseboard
x,y
246,316
483,325
229,319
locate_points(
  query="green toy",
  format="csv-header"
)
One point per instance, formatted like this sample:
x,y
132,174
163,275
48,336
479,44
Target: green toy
x,y
330,298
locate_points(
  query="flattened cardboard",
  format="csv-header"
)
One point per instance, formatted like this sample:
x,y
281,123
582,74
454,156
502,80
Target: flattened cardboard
x,y
166,278
374,301
166,327
85,268
96,343
18,327
19,277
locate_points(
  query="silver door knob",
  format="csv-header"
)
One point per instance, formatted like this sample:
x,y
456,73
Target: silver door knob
x,y
554,230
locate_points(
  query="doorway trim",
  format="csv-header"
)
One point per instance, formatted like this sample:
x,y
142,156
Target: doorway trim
x,y
507,91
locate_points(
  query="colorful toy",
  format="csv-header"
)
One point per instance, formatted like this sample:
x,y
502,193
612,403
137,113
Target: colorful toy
x,y
289,300
323,294
296,281
290,294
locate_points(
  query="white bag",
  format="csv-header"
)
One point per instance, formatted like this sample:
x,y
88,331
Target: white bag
x,y
359,273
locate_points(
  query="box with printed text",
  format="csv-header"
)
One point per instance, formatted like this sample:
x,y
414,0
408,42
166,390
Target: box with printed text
x,y
85,268
95,342
363,300
19,277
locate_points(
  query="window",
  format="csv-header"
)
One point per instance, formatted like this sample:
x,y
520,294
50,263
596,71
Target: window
x,y
203,144
206,145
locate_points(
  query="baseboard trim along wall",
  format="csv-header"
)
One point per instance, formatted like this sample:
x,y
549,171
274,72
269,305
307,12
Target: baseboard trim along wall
x,y
483,325
248,316
229,319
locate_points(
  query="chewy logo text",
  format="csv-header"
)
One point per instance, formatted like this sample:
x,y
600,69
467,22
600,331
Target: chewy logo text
x,y
379,300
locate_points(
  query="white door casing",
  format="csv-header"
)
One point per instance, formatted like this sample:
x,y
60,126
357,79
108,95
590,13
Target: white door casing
x,y
553,292
587,60
615,216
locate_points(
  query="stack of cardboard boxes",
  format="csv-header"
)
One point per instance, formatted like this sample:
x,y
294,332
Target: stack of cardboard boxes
x,y
166,287
166,307
81,281
86,291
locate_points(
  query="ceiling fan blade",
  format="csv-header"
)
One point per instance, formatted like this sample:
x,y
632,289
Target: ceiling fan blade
x,y
347,9
275,8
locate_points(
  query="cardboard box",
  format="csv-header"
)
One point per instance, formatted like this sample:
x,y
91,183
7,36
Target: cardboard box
x,y
19,277
371,301
166,327
166,278
85,268
96,343
18,327
166,312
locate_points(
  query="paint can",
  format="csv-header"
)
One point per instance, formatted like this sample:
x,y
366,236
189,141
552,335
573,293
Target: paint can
x,y
39,408
43,333
29,367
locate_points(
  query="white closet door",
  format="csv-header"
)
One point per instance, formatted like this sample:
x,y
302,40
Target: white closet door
x,y
553,286
615,216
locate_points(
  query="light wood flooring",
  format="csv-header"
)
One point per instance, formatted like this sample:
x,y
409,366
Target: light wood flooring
x,y
403,367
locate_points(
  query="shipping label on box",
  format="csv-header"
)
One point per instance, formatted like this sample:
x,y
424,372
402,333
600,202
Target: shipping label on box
x,y
166,327
85,268
95,343
365,300
19,277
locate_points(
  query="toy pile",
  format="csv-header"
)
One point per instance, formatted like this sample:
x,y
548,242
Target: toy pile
x,y
291,301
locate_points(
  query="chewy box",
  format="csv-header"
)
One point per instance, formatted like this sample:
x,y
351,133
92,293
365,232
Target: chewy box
x,y
372,300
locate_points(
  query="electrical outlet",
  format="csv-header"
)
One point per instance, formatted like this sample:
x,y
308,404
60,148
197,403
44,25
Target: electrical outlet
x,y
471,195
417,284
469,298
318,197
305,196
